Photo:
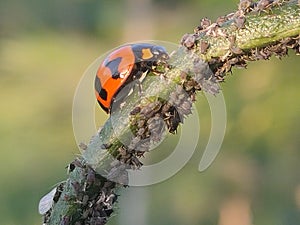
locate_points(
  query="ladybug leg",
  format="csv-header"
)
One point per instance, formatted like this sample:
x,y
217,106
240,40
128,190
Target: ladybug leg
x,y
139,74
140,87
139,78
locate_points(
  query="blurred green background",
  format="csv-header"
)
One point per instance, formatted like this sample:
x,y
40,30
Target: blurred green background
x,y
45,47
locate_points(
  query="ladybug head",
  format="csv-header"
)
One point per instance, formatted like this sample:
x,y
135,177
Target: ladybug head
x,y
159,52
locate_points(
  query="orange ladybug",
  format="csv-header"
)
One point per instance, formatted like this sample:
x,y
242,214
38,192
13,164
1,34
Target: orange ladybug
x,y
123,65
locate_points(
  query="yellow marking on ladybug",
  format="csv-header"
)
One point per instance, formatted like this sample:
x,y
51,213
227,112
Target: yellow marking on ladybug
x,y
147,54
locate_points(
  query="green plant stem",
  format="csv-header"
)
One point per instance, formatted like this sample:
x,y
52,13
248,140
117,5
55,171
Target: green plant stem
x,y
259,31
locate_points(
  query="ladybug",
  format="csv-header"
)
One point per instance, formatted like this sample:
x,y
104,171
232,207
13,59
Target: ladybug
x,y
124,65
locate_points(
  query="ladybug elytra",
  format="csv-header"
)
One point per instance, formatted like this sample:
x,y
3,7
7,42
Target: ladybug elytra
x,y
123,65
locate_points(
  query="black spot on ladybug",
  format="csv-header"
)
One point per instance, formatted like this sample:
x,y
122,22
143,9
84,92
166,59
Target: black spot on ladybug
x,y
113,65
102,92
98,86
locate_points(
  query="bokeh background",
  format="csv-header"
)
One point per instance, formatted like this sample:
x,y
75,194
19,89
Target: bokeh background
x,y
45,47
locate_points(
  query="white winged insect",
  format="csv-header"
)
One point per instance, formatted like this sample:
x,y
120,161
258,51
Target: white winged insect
x,y
47,200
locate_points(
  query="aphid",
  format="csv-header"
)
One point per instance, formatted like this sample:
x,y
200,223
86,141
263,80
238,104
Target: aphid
x,y
245,5
213,30
262,5
135,161
240,22
135,111
172,119
90,177
188,40
141,131
65,220
221,20
278,2
205,23
141,123
203,47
